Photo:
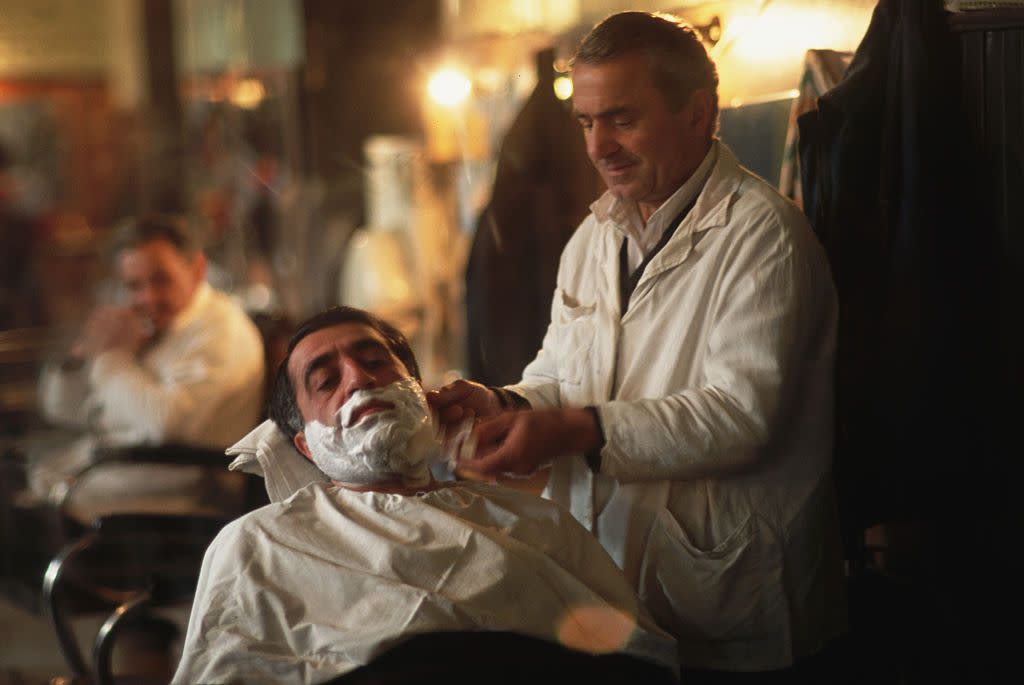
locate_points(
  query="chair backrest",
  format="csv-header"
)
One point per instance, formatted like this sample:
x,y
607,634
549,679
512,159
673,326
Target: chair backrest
x,y
224,493
275,330
131,562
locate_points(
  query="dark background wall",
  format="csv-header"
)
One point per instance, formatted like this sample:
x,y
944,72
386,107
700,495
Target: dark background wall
x,y
364,74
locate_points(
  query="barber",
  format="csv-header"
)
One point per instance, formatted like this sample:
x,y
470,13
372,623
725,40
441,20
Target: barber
x,y
682,396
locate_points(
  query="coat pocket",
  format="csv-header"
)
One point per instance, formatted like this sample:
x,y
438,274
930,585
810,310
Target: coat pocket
x,y
731,592
575,326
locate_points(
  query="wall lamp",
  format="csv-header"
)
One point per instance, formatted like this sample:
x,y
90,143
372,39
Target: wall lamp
x,y
711,32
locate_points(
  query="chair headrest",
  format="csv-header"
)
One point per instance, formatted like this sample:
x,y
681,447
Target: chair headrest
x,y
266,451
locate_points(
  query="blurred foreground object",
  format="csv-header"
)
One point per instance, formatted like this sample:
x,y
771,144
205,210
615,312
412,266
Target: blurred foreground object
x,y
399,266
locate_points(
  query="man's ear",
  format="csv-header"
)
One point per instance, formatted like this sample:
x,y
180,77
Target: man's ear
x,y
300,444
700,110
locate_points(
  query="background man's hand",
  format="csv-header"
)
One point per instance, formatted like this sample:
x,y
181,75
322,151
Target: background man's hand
x,y
519,443
108,328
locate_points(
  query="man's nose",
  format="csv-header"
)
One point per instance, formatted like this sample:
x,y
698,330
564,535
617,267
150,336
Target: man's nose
x,y
356,378
601,142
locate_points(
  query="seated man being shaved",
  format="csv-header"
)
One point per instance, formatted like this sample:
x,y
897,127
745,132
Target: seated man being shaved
x,y
361,549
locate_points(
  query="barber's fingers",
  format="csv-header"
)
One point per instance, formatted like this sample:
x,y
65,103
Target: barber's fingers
x,y
490,433
501,447
502,461
451,415
455,401
484,469
453,393
446,402
478,463
465,471
456,439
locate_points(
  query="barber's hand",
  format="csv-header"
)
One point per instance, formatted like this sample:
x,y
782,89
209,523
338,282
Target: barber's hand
x,y
108,328
462,399
518,443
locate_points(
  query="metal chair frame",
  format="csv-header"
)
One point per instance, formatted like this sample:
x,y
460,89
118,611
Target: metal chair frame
x,y
165,556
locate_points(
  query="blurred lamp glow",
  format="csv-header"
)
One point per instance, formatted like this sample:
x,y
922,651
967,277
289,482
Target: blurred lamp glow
x,y
563,87
782,33
248,93
448,87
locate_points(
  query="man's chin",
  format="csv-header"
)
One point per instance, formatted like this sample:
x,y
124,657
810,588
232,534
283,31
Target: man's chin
x,y
623,191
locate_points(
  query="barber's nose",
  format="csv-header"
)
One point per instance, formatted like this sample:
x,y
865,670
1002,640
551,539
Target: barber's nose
x,y
356,377
601,142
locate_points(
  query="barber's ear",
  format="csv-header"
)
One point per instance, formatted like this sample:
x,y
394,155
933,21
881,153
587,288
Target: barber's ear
x,y
700,109
300,444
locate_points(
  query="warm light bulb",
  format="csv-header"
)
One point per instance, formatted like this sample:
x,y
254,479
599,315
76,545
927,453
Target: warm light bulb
x,y
248,93
449,87
563,87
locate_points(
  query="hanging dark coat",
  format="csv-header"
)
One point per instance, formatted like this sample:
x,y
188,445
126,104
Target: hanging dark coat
x,y
924,430
543,188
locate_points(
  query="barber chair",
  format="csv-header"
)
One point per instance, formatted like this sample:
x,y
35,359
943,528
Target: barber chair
x,y
275,331
499,658
35,532
173,454
128,565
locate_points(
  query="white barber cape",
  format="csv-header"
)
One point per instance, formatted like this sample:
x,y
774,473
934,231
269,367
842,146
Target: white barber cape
x,y
714,389
307,589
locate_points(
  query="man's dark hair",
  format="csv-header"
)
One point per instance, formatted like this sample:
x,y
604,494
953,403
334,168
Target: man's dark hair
x,y
282,407
679,62
137,231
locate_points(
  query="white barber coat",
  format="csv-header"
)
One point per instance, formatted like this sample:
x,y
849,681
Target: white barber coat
x,y
307,589
714,389
200,383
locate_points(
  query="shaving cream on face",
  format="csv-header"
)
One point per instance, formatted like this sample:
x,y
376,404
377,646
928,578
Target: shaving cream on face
x,y
398,442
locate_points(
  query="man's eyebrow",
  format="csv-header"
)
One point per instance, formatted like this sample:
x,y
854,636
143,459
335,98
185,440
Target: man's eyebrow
x,y
318,362
605,114
361,345
367,343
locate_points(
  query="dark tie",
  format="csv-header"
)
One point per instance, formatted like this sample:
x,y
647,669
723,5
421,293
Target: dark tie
x,y
628,281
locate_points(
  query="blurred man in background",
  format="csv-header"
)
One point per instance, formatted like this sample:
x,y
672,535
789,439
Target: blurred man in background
x,y
174,362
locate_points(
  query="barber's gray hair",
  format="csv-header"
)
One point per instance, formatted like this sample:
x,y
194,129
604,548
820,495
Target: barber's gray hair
x,y
679,62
